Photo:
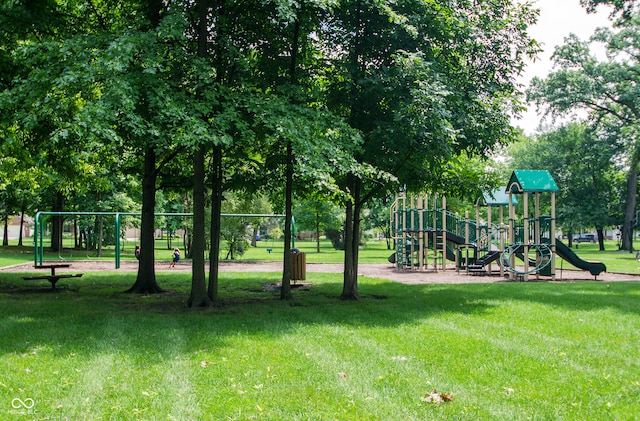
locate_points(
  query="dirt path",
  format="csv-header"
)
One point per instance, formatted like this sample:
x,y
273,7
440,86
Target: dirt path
x,y
381,271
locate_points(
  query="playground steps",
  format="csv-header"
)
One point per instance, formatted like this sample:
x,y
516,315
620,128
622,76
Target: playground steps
x,y
479,266
477,269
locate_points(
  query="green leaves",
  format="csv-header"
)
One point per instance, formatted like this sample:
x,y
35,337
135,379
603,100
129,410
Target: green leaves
x,y
583,163
623,7
583,82
609,91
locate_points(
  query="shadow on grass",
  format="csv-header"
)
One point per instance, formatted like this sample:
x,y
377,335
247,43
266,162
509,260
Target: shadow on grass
x,y
94,313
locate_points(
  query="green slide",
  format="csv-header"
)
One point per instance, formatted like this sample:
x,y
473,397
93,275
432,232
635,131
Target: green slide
x,y
567,254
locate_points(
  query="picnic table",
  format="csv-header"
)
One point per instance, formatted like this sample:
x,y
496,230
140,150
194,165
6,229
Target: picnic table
x,y
54,277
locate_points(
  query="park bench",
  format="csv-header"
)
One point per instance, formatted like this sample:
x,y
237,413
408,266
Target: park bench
x,y
53,277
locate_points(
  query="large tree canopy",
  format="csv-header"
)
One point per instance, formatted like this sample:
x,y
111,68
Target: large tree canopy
x,y
423,83
609,91
347,98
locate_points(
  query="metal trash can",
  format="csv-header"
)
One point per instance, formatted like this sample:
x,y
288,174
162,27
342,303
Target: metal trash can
x,y
298,265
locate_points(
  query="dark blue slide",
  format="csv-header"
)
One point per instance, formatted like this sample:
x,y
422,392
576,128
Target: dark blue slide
x,y
567,254
454,238
451,255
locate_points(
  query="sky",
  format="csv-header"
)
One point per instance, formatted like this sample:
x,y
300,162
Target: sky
x,y
558,18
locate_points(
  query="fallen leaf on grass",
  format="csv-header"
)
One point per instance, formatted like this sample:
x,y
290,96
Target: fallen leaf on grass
x,y
435,397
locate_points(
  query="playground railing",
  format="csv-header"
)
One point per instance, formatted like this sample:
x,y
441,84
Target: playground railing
x,y
544,227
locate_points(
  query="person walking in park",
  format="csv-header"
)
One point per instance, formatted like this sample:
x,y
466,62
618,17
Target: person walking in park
x,y
176,257
137,252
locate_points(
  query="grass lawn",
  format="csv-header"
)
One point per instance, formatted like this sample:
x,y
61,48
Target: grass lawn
x,y
504,351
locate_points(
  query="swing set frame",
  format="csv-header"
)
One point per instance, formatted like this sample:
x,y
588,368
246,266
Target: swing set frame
x,y
38,231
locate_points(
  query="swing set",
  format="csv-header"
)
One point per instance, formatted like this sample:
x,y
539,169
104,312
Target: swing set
x,y
39,229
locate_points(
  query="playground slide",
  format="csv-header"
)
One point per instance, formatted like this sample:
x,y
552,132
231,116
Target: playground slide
x,y
451,254
567,254
456,239
520,255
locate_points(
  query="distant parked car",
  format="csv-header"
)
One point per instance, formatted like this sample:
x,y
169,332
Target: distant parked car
x,y
586,238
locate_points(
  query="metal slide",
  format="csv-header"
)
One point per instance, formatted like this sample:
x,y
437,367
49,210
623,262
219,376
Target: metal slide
x,y
595,268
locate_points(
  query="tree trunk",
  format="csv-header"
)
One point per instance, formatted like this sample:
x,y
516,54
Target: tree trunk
x,y
387,238
198,296
630,208
350,282
317,232
146,279
254,237
21,235
100,234
600,233
186,239
285,290
570,238
356,119
5,236
56,225
216,210
76,241
351,239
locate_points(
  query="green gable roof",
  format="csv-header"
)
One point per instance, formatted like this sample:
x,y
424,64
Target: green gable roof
x,y
495,198
531,181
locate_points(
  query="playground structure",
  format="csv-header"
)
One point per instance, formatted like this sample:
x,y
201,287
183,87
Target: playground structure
x,y
496,234
426,234
425,231
537,234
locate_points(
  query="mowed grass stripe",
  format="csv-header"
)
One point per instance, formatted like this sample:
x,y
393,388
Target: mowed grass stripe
x,y
508,351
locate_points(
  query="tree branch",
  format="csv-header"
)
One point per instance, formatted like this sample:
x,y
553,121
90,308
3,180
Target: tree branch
x,y
597,107
168,158
101,21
